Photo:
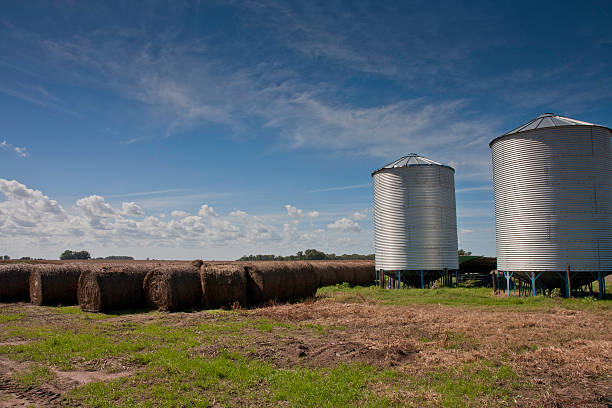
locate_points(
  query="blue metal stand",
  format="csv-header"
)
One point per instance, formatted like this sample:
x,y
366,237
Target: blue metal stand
x,y
422,274
508,275
564,276
601,279
533,282
399,279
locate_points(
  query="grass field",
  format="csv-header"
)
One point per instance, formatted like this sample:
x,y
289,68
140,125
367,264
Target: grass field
x,y
348,347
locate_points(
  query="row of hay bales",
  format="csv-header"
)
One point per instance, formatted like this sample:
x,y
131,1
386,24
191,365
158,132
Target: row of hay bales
x,y
99,287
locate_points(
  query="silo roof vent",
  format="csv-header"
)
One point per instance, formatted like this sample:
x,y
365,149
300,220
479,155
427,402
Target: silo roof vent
x,y
547,120
412,159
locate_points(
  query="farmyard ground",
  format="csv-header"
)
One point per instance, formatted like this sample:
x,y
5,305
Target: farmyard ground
x,y
347,347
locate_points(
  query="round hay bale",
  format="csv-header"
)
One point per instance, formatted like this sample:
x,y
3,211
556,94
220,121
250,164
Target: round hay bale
x,y
364,273
112,288
173,288
280,281
223,285
15,282
54,284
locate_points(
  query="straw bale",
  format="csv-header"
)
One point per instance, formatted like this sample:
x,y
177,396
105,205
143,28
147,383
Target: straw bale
x,y
54,284
224,285
15,282
112,288
173,288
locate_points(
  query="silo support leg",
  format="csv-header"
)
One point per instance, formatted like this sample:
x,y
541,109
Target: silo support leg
x,y
399,279
602,285
534,277
421,272
565,278
508,276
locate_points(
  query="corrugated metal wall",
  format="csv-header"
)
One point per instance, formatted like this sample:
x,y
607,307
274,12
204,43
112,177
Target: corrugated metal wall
x,y
553,201
415,218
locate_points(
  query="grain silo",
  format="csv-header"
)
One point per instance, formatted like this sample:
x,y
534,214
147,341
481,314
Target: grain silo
x,y
553,202
415,222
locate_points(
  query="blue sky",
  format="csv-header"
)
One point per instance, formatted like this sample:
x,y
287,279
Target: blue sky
x,y
217,129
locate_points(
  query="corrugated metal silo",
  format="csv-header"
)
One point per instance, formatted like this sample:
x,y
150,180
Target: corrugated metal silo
x,y
415,220
553,200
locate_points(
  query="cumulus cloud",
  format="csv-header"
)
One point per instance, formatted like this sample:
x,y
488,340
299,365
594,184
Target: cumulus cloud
x,y
296,212
94,206
179,213
32,220
466,231
131,209
359,216
293,211
207,211
25,207
344,225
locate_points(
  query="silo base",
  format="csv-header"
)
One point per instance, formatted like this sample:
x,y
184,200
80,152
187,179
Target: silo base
x,y
569,283
416,279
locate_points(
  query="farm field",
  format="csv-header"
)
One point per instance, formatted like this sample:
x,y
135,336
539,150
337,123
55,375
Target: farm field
x,y
448,347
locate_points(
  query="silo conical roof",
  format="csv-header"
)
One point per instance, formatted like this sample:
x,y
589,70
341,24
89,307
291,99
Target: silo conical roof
x,y
411,159
546,120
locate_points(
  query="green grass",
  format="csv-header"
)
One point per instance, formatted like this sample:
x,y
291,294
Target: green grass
x,y
34,376
10,317
175,378
463,297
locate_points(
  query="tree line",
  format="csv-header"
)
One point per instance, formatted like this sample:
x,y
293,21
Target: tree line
x,y
307,255
68,254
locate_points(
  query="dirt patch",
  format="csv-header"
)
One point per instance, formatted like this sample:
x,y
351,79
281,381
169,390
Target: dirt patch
x,y
53,393
85,377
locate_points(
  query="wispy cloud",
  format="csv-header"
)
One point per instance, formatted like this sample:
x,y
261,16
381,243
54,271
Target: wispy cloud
x,y
470,189
147,193
19,151
356,186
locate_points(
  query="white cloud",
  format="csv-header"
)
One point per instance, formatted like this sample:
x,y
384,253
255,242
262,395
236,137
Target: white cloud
x,y
94,206
20,151
359,216
27,208
296,212
131,209
179,213
41,227
207,211
466,231
293,211
344,225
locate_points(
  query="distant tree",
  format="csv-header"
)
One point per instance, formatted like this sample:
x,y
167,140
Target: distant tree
x,y
6,258
67,254
120,257
462,252
309,255
313,254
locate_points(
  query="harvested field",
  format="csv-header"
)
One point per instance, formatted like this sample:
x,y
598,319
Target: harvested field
x,y
346,347
54,284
